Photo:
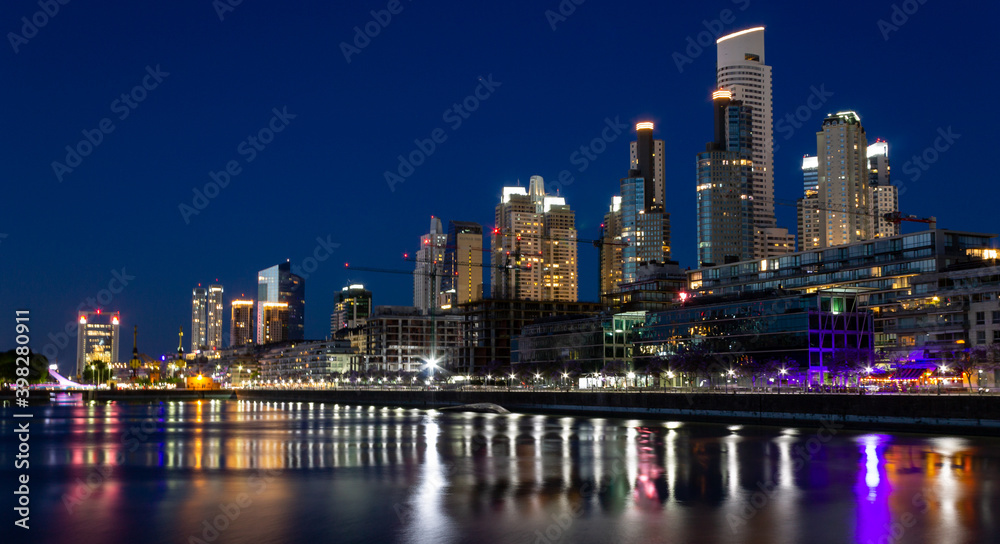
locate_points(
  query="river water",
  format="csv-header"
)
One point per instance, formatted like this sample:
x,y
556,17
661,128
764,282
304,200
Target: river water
x,y
258,472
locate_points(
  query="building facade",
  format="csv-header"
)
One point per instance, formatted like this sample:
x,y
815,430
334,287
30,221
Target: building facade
x,y
801,331
577,345
278,284
742,69
808,208
463,263
199,324
403,339
214,310
534,246
310,361
726,228
842,149
610,251
429,270
883,195
352,308
241,326
881,272
273,325
648,157
97,339
490,325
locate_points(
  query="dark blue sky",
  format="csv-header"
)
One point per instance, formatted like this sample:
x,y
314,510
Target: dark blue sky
x,y
323,174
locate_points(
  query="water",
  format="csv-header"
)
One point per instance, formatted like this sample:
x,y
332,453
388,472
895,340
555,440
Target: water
x,y
232,471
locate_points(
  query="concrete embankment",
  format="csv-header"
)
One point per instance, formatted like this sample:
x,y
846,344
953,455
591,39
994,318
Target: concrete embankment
x,y
953,414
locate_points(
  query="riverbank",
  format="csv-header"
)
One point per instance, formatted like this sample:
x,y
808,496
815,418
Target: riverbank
x,y
953,414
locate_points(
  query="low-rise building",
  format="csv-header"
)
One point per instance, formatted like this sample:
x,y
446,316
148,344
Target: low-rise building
x,y
315,361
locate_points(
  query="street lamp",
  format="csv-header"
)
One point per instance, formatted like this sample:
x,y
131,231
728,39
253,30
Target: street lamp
x,y
783,372
630,377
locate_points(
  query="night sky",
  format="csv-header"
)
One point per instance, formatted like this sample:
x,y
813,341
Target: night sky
x,y
219,82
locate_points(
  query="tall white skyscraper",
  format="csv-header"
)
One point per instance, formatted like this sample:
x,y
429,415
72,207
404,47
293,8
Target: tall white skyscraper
x,y
213,316
199,326
741,69
429,271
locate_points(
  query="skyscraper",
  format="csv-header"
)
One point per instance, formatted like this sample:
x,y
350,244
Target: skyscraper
x,y
97,339
726,228
808,209
274,322
842,148
883,195
534,245
429,270
610,248
648,157
279,284
199,326
241,323
645,234
213,317
352,308
463,262
742,70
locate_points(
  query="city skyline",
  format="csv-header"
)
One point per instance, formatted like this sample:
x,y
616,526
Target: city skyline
x,y
151,298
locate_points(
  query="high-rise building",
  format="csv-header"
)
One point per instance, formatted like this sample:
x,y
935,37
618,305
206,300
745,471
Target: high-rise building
x,y
808,208
199,327
97,339
648,156
726,228
274,322
883,195
842,148
534,246
645,234
429,270
463,262
279,284
241,323
214,311
741,69
610,249
352,308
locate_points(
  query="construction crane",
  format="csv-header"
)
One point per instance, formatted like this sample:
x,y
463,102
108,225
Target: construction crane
x,y
896,218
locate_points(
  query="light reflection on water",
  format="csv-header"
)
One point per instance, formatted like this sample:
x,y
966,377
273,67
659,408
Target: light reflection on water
x,y
161,472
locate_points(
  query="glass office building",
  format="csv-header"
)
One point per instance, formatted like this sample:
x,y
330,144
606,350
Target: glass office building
x,y
279,284
781,326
